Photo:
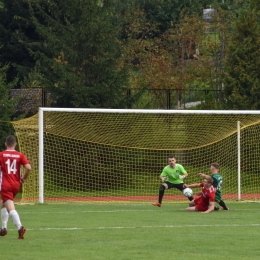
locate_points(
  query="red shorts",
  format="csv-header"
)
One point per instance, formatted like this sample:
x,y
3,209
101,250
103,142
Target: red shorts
x,y
200,206
8,193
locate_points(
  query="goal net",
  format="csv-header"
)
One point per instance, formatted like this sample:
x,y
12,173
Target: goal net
x,y
99,155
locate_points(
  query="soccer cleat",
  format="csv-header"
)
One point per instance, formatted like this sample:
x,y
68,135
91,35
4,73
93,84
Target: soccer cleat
x,y
224,209
3,232
157,204
21,232
216,208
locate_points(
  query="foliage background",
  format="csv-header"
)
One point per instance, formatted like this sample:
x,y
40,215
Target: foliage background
x,y
125,54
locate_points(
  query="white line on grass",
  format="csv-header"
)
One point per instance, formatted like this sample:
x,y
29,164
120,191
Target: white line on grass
x,y
114,211
88,211
109,211
135,227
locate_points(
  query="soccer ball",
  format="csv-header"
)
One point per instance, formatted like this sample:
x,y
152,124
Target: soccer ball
x,y
187,192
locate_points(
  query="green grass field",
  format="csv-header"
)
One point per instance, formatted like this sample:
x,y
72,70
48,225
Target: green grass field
x,y
133,231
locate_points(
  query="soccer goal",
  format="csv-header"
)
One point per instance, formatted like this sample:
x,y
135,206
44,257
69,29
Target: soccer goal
x,y
112,155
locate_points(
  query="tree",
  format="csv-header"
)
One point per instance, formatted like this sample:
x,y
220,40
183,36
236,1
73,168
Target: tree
x,y
77,58
15,28
255,4
7,106
184,57
242,75
164,12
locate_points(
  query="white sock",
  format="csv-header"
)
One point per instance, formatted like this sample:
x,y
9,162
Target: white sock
x,y
4,215
15,218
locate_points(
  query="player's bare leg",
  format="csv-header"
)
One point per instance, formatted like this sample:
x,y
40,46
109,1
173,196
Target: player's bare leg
x,y
191,208
192,203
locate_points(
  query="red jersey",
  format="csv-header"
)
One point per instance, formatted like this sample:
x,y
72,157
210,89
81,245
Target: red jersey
x,y
10,168
208,194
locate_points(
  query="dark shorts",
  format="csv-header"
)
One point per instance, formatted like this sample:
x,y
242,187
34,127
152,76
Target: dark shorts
x,y
178,186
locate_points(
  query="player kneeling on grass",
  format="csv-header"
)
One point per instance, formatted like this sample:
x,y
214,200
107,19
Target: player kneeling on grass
x,y
205,201
172,176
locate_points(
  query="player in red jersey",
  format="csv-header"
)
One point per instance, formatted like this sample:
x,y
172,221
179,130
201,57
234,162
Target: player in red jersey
x,y
10,182
205,202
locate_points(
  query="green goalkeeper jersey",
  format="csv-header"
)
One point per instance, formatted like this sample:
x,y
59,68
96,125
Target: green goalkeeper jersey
x,y
172,174
217,178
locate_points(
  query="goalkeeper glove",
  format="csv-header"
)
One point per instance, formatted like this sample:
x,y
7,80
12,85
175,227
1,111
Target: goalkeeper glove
x,y
182,177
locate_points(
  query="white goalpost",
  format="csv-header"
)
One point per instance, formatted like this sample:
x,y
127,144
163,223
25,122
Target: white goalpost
x,y
238,162
102,154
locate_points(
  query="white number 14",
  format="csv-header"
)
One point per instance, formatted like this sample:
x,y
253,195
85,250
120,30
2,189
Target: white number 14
x,y
11,167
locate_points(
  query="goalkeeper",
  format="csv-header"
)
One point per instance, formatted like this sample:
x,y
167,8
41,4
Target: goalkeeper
x,y
217,183
172,176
